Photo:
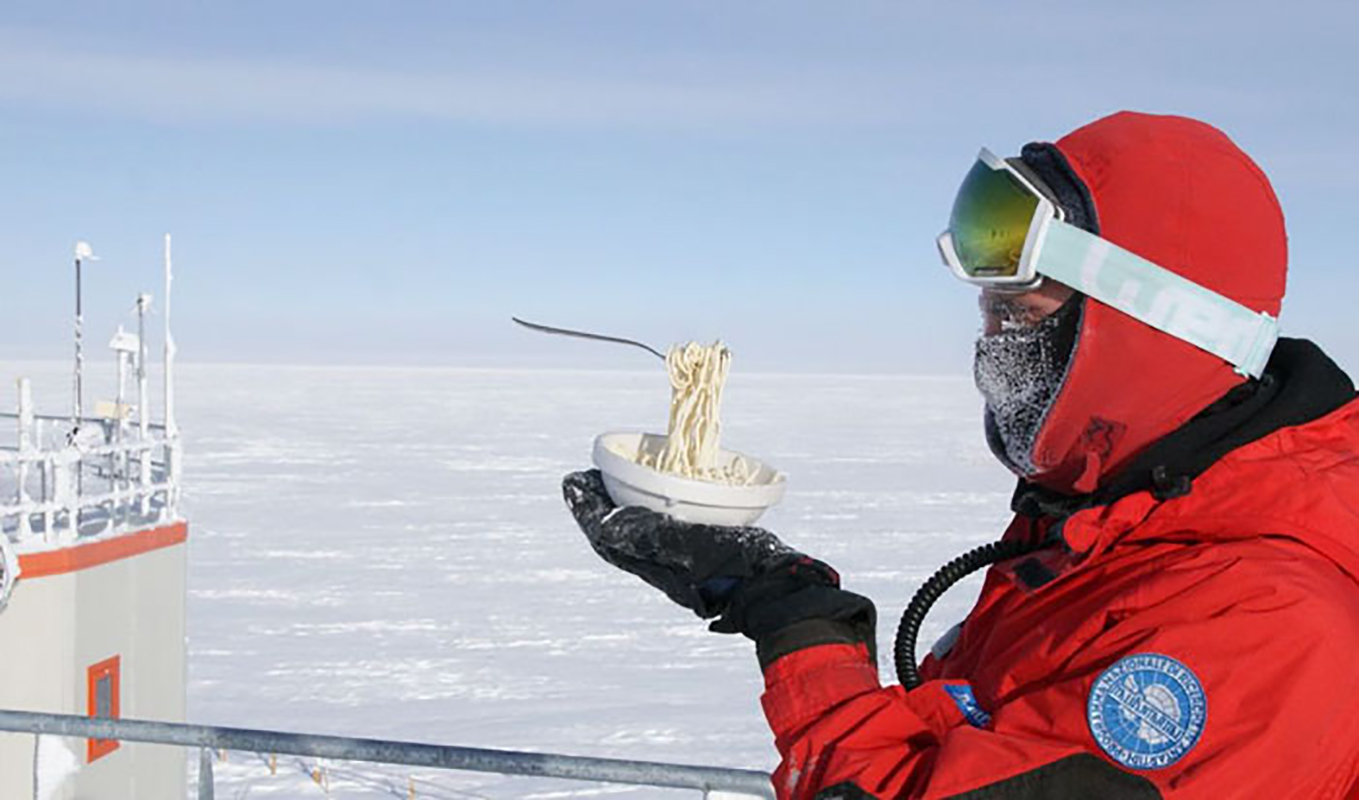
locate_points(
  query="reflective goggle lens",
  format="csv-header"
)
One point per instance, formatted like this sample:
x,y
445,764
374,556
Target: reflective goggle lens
x,y
990,221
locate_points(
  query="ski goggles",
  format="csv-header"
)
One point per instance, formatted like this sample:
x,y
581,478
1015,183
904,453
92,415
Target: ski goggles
x,y
1006,234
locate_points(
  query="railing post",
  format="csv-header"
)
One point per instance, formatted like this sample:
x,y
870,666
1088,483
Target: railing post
x,y
49,517
9,570
66,491
205,786
143,413
25,450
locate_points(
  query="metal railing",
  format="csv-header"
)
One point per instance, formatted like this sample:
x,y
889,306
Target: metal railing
x,y
115,477
714,782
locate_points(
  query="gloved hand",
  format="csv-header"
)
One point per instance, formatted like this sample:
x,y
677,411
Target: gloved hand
x,y
746,577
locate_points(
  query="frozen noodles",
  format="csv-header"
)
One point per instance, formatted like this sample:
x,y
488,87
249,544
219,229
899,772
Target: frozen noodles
x,y
698,374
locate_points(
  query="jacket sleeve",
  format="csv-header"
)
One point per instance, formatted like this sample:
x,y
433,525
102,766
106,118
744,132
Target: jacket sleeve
x,y
843,736
1274,661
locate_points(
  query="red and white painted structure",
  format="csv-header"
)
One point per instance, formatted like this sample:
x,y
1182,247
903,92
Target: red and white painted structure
x,y
92,580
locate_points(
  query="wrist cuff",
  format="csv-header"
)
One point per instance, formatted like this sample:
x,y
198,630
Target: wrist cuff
x,y
809,633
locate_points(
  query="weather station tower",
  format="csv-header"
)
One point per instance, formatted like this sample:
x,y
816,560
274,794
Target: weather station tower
x,y
92,573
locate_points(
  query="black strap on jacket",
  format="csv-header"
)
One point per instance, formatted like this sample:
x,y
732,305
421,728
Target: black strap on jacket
x,y
1078,777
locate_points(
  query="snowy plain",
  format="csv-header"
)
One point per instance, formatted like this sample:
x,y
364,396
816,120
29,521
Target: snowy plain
x,y
384,552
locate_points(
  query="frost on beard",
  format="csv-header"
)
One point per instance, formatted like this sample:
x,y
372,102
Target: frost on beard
x,y
1019,372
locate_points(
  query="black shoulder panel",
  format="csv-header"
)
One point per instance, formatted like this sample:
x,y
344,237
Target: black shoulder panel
x,y
844,791
1077,777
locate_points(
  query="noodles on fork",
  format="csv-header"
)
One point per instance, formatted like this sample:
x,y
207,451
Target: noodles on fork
x,y
698,375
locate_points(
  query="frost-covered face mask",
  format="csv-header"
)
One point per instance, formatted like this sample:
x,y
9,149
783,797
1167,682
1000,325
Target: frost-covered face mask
x,y
1019,370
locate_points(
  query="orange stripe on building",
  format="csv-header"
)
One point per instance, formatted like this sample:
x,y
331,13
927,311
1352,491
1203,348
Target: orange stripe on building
x,y
92,554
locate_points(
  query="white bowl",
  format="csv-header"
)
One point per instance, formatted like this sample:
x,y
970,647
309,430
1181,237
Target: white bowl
x,y
706,502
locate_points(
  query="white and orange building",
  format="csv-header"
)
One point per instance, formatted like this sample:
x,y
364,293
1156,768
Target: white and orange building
x,y
92,584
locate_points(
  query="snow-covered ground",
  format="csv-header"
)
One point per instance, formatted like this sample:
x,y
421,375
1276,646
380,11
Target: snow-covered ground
x,y
384,552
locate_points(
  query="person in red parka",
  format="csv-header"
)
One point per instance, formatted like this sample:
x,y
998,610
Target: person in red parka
x,y
1174,610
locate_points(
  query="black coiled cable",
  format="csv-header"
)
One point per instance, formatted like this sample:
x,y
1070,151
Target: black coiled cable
x,y
941,581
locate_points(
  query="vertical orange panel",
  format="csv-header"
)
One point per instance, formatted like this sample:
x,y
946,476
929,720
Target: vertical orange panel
x,y
107,673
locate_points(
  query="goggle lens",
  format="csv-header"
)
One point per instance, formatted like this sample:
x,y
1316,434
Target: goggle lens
x,y
990,222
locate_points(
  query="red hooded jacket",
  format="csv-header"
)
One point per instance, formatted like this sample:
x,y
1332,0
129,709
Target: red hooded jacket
x,y
1194,631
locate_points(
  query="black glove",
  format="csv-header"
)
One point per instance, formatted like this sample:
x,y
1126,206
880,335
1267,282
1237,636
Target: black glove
x,y
746,577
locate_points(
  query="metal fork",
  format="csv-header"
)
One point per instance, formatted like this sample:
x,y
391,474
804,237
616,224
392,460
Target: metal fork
x,y
584,335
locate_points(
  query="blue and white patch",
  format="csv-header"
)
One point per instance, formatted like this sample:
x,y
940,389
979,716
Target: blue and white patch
x,y
967,703
1147,711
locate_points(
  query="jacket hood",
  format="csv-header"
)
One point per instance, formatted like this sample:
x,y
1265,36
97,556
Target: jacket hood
x,y
1301,384
1179,193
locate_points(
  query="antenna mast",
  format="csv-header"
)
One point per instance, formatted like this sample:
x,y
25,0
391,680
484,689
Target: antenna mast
x,y
83,252
171,426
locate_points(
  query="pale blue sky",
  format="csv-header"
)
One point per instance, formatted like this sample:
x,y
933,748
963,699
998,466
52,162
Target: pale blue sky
x,y
388,182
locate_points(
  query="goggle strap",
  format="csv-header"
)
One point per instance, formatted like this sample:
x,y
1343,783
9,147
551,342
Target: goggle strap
x,y
1158,297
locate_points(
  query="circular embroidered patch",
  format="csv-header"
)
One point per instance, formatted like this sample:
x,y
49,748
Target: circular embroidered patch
x,y
1147,710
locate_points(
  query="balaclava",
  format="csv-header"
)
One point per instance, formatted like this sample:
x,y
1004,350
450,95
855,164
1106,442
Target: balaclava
x,y
1020,369
1094,386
